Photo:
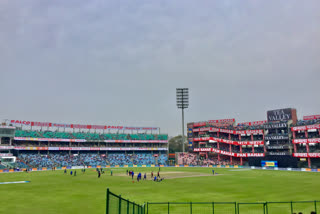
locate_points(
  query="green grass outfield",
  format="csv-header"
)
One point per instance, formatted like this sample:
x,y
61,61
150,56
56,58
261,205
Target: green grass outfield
x,y
53,192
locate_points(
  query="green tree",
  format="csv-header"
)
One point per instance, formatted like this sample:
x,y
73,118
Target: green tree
x,y
175,144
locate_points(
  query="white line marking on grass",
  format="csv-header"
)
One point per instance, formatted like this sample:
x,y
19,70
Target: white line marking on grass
x,y
15,182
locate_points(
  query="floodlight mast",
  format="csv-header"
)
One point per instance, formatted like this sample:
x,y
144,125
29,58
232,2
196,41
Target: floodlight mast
x,y
182,103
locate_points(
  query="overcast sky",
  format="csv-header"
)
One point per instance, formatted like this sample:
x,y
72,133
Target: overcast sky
x,y
119,62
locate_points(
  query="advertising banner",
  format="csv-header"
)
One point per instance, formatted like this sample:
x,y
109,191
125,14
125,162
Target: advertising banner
x,y
310,140
279,115
229,131
78,126
6,154
254,123
6,147
228,153
275,125
90,148
135,141
303,128
311,117
306,155
269,163
276,137
214,139
278,153
190,133
49,139
278,147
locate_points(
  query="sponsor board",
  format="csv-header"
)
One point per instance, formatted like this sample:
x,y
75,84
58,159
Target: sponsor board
x,y
276,137
238,143
310,140
228,153
279,115
78,126
275,125
304,128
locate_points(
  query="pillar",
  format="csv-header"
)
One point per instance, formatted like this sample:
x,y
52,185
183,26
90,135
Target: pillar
x,y
306,133
309,163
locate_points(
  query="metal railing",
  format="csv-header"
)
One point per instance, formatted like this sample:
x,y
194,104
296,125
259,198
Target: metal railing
x,y
291,207
117,205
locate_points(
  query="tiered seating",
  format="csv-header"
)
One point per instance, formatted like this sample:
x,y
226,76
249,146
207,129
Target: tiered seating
x,y
307,122
144,159
119,159
162,137
35,160
92,159
187,158
24,133
88,136
79,135
60,135
162,159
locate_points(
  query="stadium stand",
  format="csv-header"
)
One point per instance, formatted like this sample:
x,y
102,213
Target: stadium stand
x,y
33,159
88,136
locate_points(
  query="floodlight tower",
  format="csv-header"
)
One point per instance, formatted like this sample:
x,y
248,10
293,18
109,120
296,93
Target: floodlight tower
x,y
182,103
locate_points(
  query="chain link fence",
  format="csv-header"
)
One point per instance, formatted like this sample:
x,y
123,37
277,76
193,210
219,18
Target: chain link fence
x,y
117,205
